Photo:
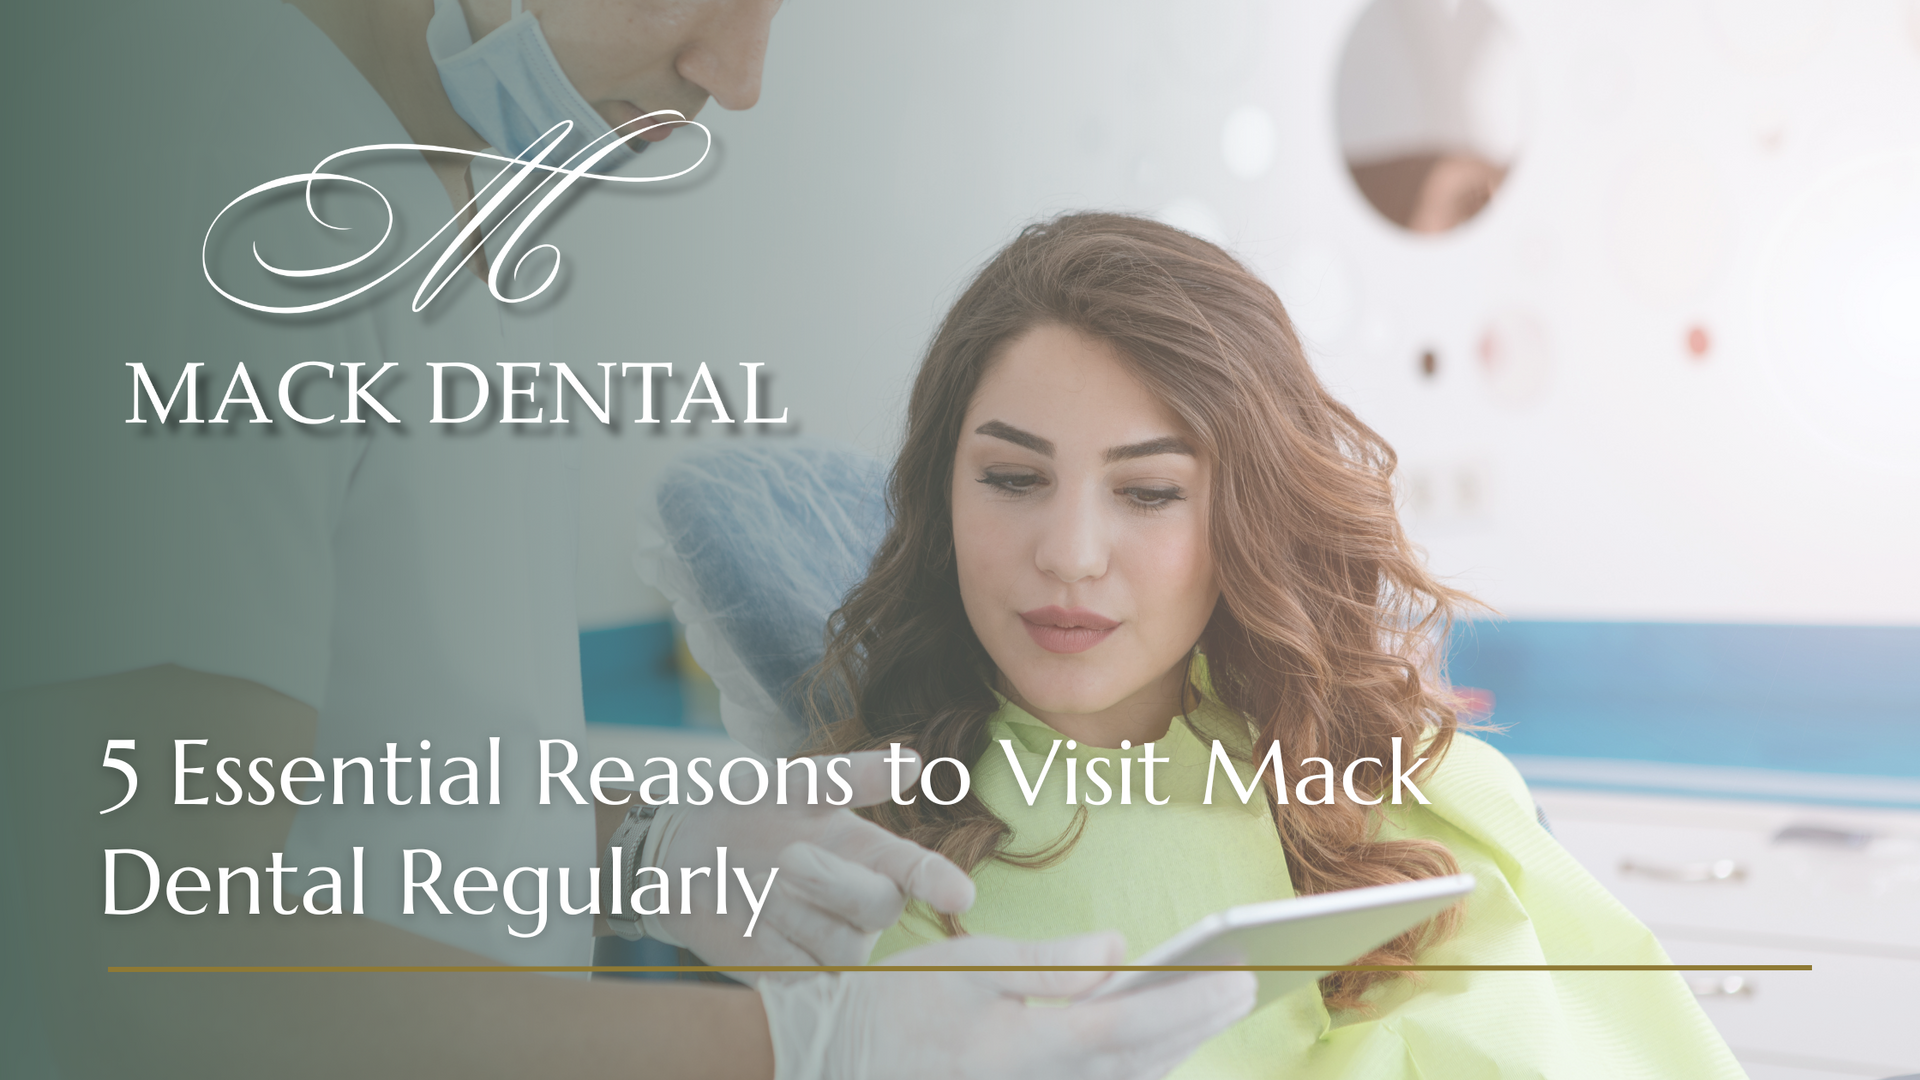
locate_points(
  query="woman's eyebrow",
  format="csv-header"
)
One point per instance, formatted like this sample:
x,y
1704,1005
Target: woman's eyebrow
x,y
1166,444
1001,430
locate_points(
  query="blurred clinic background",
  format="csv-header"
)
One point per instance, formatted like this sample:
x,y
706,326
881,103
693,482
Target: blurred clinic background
x,y
1633,288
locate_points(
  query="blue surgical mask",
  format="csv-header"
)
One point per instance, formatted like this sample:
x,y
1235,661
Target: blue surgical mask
x,y
508,86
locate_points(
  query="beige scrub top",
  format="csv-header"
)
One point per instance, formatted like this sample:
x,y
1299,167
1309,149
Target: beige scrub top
x,y
1150,871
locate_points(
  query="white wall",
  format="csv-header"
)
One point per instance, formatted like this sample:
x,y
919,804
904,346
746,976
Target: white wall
x,y
1749,169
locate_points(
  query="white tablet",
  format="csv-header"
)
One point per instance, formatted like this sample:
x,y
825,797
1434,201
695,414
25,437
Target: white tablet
x,y
1327,929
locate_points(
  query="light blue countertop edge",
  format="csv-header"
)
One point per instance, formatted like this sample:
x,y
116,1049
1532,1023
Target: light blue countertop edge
x,y
1717,781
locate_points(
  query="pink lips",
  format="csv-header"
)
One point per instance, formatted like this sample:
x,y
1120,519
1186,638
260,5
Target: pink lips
x,y
652,131
1067,630
665,127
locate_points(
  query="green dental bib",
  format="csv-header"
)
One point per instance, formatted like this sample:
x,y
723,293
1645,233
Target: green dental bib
x,y
1151,871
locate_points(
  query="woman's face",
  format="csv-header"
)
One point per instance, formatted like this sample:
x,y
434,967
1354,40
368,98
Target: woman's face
x,y
1080,533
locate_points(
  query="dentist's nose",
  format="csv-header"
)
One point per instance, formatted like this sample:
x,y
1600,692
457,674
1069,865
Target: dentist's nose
x,y
1074,543
727,59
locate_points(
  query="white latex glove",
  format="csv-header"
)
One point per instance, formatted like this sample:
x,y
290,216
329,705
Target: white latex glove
x,y
842,878
866,1025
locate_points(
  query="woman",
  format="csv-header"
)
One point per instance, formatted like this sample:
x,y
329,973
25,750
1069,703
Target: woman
x,y
1128,521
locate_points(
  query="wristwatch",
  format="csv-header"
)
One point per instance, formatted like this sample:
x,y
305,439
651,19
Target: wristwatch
x,y
628,838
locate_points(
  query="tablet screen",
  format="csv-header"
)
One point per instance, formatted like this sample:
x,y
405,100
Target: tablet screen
x,y
1327,929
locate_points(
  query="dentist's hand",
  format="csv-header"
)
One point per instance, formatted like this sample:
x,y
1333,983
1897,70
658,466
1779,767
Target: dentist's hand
x,y
841,881
967,1025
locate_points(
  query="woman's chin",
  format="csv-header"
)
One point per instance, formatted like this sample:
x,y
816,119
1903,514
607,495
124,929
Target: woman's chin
x,y
1048,697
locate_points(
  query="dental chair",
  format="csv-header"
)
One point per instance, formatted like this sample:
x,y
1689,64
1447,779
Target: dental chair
x,y
756,546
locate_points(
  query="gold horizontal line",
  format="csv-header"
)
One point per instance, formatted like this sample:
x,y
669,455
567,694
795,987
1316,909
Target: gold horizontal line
x,y
825,969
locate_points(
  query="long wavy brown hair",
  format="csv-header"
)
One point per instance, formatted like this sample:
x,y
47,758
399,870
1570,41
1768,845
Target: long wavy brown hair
x,y
1324,635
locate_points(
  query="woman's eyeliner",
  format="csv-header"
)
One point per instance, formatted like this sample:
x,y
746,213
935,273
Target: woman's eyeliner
x,y
1025,483
1013,483
1153,498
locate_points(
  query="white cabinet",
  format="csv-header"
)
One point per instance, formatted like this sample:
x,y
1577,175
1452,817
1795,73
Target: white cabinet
x,y
1733,882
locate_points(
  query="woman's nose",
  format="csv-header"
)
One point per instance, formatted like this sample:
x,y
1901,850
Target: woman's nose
x,y
1074,544
727,58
